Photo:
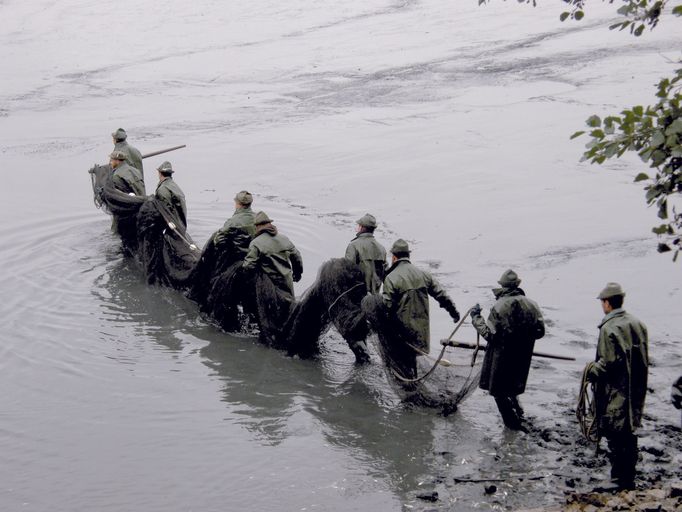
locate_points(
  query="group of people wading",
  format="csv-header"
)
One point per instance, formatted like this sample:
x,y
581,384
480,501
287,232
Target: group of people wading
x,y
246,272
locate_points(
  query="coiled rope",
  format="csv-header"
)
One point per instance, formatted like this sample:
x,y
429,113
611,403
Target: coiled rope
x,y
586,411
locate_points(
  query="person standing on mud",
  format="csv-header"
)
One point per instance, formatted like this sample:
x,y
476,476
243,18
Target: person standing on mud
x,y
170,195
274,255
368,253
406,299
239,229
620,374
514,323
133,156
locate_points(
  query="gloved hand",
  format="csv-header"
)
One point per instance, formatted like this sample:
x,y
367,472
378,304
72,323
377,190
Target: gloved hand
x,y
454,314
475,311
296,277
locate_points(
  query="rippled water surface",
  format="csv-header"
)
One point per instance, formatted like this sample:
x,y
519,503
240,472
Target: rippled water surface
x,y
447,121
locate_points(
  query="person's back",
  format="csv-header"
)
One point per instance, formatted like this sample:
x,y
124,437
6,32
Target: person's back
x,y
365,251
132,156
406,294
171,196
274,254
126,179
623,351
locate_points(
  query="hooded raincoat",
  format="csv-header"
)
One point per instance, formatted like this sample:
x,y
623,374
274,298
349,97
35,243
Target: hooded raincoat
x,y
370,255
620,372
277,257
514,323
133,156
171,196
406,295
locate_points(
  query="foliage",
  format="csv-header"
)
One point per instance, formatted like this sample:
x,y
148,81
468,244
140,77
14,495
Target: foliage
x,y
654,131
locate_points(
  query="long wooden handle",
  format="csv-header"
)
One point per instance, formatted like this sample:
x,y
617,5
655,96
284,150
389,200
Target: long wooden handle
x,y
472,346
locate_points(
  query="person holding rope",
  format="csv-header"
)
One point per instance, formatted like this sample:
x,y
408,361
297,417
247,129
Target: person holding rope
x,y
619,375
406,298
365,251
170,195
514,323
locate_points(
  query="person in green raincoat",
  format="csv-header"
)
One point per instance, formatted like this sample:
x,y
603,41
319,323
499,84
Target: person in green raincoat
x,y
133,156
274,255
513,325
239,229
620,373
124,177
368,253
406,298
170,195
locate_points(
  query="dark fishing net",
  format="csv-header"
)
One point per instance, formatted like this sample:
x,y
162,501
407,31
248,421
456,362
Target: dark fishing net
x,y
333,299
166,252
120,205
447,384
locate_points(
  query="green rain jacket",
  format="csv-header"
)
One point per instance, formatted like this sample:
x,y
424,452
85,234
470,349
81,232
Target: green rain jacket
x,y
239,229
514,323
170,194
406,295
127,179
620,372
370,255
133,156
277,257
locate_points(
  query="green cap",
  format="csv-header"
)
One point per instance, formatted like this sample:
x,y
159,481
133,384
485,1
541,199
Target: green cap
x,y
611,290
367,221
118,155
119,135
245,198
509,279
261,218
400,247
165,168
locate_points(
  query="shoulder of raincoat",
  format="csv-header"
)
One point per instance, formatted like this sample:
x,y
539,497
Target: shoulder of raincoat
x,y
514,323
370,256
238,230
127,179
172,197
133,156
406,295
621,372
275,255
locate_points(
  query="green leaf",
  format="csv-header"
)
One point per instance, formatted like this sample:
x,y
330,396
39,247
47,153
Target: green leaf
x,y
593,121
638,31
578,15
664,248
657,138
641,177
564,16
577,134
638,110
677,10
660,230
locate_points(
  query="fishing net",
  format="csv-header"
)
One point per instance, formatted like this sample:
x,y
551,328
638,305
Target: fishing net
x,y
166,252
236,299
417,377
121,206
334,299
